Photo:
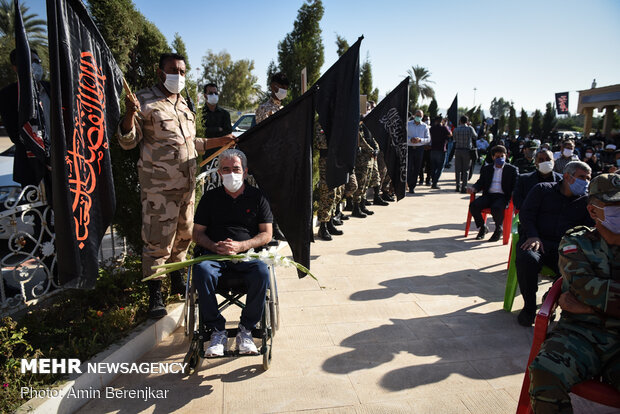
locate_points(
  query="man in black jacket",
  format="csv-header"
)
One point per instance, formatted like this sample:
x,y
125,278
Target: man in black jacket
x,y
549,210
497,181
544,173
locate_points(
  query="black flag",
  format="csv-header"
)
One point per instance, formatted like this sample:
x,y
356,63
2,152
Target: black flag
x,y
279,152
561,103
32,132
338,107
453,111
86,85
388,124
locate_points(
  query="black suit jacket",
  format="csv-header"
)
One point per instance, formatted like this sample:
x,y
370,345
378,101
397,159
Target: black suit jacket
x,y
526,182
509,180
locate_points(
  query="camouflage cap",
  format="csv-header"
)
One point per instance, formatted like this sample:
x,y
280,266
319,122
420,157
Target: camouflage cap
x,y
532,145
605,187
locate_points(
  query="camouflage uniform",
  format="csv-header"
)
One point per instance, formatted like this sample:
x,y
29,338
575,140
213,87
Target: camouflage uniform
x,y
327,197
364,163
581,346
351,186
166,135
524,165
268,108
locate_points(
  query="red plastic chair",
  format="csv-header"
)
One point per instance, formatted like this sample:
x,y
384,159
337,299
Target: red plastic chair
x,y
592,390
506,226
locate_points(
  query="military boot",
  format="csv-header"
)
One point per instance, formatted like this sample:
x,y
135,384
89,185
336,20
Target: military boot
x,y
339,213
157,309
364,209
323,232
357,211
349,205
332,229
377,200
177,284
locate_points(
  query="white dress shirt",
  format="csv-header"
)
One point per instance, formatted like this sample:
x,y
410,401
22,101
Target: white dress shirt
x,y
496,183
418,131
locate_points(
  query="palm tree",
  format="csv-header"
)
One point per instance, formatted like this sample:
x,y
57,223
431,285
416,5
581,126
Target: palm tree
x,y
35,27
420,85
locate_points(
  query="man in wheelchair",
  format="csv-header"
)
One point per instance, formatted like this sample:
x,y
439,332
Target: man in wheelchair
x,y
585,343
230,220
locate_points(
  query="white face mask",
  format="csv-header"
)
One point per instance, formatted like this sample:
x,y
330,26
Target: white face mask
x,y
212,99
281,94
588,155
567,152
232,182
174,83
545,167
37,72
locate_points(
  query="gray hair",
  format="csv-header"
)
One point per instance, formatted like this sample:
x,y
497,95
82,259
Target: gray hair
x,y
573,166
231,153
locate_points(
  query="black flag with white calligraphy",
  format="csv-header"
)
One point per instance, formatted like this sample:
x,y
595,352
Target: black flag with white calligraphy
x,y
86,85
388,124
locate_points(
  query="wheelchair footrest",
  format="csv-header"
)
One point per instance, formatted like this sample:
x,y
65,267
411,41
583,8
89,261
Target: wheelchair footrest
x,y
232,332
232,354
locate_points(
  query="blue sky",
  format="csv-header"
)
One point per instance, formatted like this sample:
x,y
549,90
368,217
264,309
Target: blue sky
x,y
522,51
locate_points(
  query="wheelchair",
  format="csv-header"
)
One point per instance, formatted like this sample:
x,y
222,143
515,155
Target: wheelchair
x,y
231,289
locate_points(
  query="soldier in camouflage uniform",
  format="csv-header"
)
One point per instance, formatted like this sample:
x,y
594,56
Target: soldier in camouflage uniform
x,y
527,163
165,132
278,86
327,197
586,341
363,170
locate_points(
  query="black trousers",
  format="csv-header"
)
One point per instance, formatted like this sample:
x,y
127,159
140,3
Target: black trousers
x,y
497,204
529,263
414,164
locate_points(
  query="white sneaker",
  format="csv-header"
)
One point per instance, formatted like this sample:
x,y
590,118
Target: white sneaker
x,y
245,343
218,343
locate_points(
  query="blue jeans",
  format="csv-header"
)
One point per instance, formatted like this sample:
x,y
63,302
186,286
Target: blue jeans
x,y
256,276
437,162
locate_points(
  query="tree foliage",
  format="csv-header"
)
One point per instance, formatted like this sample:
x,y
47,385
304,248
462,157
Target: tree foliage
x,y
235,80
420,87
341,45
499,107
366,81
548,121
537,124
178,46
35,31
501,126
524,124
303,47
512,121
432,109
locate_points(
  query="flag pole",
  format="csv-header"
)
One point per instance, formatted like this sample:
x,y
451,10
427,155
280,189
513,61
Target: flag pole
x,y
128,92
218,152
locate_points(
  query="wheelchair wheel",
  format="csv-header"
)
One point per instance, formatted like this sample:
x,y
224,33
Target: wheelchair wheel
x,y
268,333
191,321
274,303
192,358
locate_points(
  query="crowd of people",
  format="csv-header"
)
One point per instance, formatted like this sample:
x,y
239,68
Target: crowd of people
x,y
548,182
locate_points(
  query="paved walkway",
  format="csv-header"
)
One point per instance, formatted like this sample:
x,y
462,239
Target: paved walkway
x,y
409,320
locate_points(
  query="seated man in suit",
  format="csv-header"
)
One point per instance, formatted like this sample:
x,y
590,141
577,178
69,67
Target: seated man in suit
x,y
230,220
497,182
549,210
586,341
544,173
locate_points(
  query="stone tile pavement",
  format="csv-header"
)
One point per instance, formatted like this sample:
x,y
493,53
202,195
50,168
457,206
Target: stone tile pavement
x,y
406,318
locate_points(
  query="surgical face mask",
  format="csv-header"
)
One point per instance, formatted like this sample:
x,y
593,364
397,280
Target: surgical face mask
x,y
232,182
37,71
612,218
418,119
499,162
567,152
579,187
588,155
281,94
174,83
545,167
212,99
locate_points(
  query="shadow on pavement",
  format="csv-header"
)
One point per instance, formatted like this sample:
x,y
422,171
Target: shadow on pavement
x,y
440,247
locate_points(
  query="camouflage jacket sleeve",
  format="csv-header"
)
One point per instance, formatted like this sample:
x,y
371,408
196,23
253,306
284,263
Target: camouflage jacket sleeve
x,y
132,138
364,145
591,270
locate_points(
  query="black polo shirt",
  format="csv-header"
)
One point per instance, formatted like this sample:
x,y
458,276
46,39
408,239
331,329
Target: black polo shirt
x,y
235,218
216,123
